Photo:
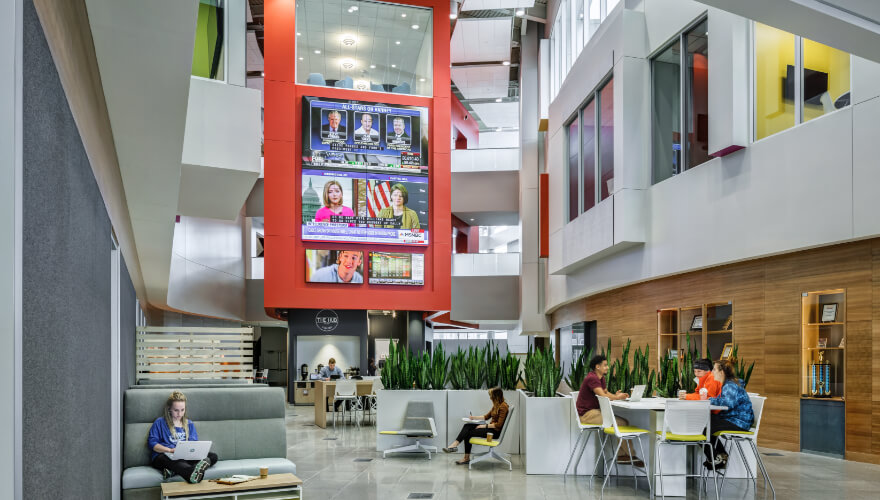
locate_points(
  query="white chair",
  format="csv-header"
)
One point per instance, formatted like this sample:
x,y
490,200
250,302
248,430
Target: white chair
x,y
622,433
685,423
737,437
494,444
418,422
587,430
346,391
372,399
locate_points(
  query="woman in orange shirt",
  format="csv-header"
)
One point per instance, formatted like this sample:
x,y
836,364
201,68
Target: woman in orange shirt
x,y
703,372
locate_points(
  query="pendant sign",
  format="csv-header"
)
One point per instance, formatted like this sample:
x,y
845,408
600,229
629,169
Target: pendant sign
x,y
326,320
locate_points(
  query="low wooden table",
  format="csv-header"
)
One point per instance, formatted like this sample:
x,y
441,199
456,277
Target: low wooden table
x,y
276,486
325,390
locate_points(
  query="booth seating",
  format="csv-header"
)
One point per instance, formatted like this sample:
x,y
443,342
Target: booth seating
x,y
245,424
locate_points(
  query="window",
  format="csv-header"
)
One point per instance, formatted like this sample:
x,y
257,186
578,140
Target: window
x,y
590,150
364,45
815,80
678,105
209,54
576,22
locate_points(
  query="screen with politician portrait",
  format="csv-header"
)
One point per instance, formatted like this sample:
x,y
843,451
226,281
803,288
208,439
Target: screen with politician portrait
x,y
364,179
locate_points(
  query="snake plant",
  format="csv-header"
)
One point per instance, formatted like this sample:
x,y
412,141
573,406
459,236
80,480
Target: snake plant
x,y
542,374
439,368
456,370
509,372
579,369
493,365
475,367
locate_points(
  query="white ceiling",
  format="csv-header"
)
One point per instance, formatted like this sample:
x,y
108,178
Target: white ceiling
x,y
481,40
482,82
495,4
494,115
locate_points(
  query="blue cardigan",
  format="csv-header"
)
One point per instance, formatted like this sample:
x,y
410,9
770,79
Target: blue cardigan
x,y
739,406
159,434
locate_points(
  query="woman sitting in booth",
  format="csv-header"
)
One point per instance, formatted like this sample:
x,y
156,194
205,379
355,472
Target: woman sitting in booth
x,y
737,417
496,417
168,430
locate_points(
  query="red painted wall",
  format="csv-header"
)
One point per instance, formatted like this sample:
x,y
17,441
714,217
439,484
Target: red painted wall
x,y
465,128
284,283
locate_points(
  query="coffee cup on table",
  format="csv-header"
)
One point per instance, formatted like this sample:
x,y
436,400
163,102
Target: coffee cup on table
x,y
682,393
489,436
704,393
264,472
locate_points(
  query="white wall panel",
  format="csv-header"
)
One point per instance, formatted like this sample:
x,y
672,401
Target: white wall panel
x,y
866,174
483,160
865,79
729,81
664,19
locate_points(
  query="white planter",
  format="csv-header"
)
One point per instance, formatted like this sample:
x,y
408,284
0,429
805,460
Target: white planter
x,y
460,402
547,444
392,407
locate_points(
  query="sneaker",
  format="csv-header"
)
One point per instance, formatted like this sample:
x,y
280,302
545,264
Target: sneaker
x,y
167,474
199,471
451,449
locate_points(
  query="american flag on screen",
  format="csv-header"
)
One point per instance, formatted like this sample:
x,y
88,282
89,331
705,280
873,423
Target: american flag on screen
x,y
378,197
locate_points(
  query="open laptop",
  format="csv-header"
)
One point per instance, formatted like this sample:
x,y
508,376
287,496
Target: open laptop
x,y
638,392
191,450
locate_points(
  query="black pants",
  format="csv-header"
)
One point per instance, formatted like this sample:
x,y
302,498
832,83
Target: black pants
x,y
719,424
467,432
183,468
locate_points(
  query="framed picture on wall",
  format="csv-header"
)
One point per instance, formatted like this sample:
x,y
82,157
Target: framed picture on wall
x,y
829,313
697,323
727,351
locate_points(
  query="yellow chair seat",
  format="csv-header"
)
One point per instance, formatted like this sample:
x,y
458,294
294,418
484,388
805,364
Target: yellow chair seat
x,y
388,432
683,437
482,442
741,433
624,429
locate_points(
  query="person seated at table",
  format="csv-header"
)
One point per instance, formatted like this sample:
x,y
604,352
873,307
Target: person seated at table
x,y
496,417
737,417
330,370
588,404
169,429
705,379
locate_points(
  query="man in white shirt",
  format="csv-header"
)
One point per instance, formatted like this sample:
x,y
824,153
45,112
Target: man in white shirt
x,y
366,132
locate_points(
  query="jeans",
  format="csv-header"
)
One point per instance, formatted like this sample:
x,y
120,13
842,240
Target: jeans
x,y
716,424
183,468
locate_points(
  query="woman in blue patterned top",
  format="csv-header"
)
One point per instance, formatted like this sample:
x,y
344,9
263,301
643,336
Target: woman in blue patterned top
x,y
737,417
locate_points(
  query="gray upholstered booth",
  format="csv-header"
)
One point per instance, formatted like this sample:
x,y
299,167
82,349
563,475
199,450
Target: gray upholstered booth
x,y
245,424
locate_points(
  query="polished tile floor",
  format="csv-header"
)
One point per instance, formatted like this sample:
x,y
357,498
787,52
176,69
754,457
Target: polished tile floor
x,y
330,471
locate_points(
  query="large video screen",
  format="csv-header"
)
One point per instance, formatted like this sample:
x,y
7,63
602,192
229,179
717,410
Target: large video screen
x,y
365,178
334,266
387,268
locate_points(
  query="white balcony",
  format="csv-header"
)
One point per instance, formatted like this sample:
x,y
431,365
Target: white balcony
x,y
485,160
485,264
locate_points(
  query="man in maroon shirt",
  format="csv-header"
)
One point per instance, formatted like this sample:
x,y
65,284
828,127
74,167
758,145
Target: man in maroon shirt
x,y
588,404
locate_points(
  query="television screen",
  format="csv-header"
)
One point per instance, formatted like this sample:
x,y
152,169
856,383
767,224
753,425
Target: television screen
x,y
375,136
387,268
334,266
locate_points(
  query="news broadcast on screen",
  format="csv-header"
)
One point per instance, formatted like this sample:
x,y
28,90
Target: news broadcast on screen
x,y
364,178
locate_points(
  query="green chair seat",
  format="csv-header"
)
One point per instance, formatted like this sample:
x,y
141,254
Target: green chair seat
x,y
625,429
683,437
482,442
741,433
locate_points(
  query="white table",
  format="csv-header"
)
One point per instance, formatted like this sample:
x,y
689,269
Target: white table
x,y
648,414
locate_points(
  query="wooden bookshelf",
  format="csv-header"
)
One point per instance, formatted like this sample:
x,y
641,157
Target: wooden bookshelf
x,y
714,329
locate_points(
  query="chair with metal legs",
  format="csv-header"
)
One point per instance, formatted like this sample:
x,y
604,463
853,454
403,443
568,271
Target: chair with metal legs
x,y
685,423
580,445
623,434
751,436
346,391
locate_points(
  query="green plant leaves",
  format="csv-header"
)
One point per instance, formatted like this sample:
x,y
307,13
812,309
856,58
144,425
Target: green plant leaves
x,y
439,368
542,374
457,370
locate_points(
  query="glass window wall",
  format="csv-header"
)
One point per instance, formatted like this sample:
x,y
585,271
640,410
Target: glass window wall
x,y
666,112
774,80
606,140
826,79
697,44
588,138
590,150
209,51
364,45
573,169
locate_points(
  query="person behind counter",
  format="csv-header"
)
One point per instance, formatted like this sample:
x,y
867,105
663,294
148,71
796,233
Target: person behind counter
x,y
496,417
737,417
371,367
168,430
331,369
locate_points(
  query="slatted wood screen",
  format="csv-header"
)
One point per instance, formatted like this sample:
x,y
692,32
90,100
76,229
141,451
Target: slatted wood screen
x,y
194,352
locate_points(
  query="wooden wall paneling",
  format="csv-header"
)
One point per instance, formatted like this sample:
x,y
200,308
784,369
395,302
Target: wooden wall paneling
x,y
875,330
875,429
780,423
859,425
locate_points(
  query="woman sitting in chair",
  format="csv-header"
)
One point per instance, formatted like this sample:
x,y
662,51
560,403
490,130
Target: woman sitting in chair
x,y
496,417
737,417
169,429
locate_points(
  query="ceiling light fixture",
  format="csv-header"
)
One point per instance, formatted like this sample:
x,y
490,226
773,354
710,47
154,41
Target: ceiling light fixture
x,y
415,26
354,7
396,42
372,66
498,100
361,84
403,15
520,12
347,63
301,58
472,220
348,39
453,9
506,63
317,51
393,65
498,129
421,79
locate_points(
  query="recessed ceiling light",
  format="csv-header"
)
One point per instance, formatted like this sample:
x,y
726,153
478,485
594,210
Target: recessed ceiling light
x,y
415,26
301,58
473,220
453,15
354,7
521,12
421,79
498,100
498,129
506,63
372,66
397,42
403,15
298,33
317,51
361,84
393,65
348,39
347,63
263,73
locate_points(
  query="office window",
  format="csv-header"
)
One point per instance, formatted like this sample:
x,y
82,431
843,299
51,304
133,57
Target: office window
x,y
588,138
577,20
774,80
573,169
364,45
594,13
606,140
678,105
826,79
209,50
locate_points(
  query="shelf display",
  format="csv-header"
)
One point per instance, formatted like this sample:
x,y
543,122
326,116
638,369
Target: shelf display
x,y
823,344
705,325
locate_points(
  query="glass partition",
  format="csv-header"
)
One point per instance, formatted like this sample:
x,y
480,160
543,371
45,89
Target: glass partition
x,y
365,45
209,51
774,80
826,79
666,113
606,140
573,167
697,43
588,137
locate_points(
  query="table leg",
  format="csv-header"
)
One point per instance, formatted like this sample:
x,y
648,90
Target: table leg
x,y
320,404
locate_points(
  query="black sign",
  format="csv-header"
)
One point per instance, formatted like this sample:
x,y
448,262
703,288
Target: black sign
x,y
326,320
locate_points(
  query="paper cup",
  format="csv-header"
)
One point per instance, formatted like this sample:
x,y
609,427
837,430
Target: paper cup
x,y
489,436
264,472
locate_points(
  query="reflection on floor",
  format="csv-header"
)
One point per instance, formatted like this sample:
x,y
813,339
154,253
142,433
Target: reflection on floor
x,y
349,468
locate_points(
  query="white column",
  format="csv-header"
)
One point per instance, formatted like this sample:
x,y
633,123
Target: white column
x,y
10,243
